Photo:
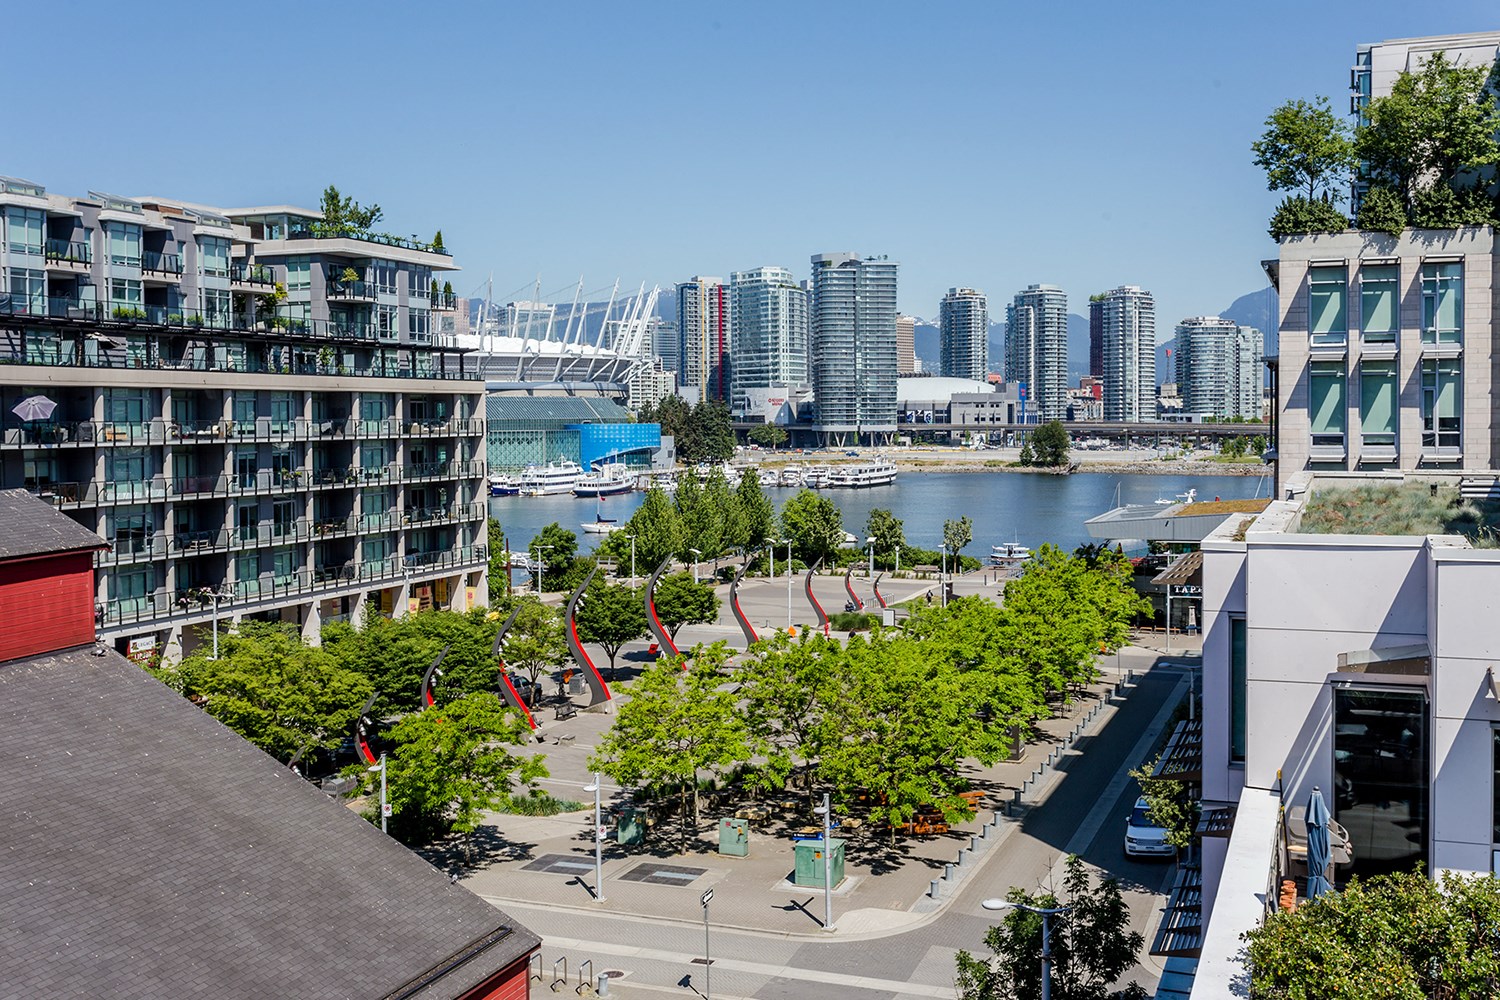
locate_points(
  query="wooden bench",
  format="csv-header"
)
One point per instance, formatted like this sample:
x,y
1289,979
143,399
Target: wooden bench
x,y
566,711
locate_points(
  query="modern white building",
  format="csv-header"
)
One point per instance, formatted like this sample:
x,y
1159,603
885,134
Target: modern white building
x,y
768,337
1127,352
964,334
1036,350
853,327
1219,367
703,325
906,345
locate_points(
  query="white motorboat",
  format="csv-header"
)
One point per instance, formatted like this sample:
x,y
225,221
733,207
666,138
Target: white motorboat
x,y
1008,554
769,478
791,475
606,482
1188,497
504,486
550,480
877,473
816,477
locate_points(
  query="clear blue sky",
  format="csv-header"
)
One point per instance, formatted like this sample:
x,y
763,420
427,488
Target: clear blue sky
x,y
987,144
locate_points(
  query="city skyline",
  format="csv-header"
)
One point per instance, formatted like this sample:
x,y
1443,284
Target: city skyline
x,y
600,193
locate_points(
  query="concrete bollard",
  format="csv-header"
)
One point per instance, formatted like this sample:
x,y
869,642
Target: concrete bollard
x,y
602,989
984,831
963,856
1016,797
932,889
948,872
973,844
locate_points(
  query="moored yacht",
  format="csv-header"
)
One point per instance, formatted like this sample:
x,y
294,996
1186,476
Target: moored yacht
x,y
605,482
550,479
503,486
877,473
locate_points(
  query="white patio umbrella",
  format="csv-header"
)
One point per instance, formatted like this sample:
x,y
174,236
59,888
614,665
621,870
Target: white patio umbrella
x,y
34,408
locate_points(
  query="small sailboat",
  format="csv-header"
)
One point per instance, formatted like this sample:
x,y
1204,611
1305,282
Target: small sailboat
x,y
600,525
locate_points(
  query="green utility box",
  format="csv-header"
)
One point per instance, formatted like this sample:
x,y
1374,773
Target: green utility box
x,y
809,871
734,838
631,829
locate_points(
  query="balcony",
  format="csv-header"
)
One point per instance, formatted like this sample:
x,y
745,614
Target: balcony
x,y
335,527
189,543
270,533
160,267
125,549
187,487
65,255
351,291
444,302
251,277
468,555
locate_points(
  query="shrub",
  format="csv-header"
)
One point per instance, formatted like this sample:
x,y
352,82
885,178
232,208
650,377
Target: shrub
x,y
1381,211
1297,216
852,621
537,803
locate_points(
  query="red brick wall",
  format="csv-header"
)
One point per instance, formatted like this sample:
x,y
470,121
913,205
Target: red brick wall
x,y
46,604
510,983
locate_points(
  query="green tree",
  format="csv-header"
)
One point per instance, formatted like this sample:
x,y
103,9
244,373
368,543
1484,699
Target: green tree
x,y
755,509
1092,945
711,435
395,653
1169,804
1392,937
786,690
557,561
1435,128
450,764
657,530
448,290
768,435
611,615
814,524
1050,444
274,690
1381,211
437,242
343,216
1305,147
672,414
677,724
499,575
535,643
680,601
1232,447
1027,456
886,529
957,534
1296,216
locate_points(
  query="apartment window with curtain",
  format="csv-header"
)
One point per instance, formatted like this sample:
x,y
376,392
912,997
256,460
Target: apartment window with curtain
x,y
124,243
213,256
1442,303
1238,685
1378,296
1327,312
24,230
1442,403
1326,403
1377,403
298,273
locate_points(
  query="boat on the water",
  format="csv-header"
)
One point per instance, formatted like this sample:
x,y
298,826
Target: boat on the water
x,y
550,479
816,477
769,478
1008,554
504,486
791,475
877,473
606,482
1188,497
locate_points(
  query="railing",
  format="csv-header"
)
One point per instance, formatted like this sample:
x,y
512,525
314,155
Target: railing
x,y
161,263
334,574
374,569
132,548
264,533
381,239
335,527
444,301
200,485
369,523
68,358
350,290
251,274
66,252
189,542
467,555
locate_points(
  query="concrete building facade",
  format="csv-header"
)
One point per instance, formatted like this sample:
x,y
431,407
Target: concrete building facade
x,y
964,334
1127,318
703,324
1036,350
1219,367
853,327
906,345
256,415
768,312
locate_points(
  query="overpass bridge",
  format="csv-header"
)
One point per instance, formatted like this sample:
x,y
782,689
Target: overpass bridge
x,y
1113,431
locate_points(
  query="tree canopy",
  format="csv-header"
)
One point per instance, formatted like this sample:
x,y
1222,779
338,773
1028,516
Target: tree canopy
x,y
680,601
755,510
343,216
957,534
768,435
611,615
535,643
1050,443
556,546
886,529
814,525
1306,147
657,530
394,653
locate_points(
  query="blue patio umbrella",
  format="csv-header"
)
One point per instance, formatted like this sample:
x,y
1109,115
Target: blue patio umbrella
x,y
1319,848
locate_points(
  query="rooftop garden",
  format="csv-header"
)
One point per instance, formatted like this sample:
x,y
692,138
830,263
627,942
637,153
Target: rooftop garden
x,y
1421,152
1402,509
343,217
1224,507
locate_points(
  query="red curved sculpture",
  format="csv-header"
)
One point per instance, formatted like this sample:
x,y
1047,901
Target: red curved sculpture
x,y
429,679
663,640
849,588
878,596
817,608
599,690
507,689
734,602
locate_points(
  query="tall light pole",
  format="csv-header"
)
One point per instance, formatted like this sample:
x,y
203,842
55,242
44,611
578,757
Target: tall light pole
x,y
1047,914
218,595
708,963
827,813
871,543
632,560
540,566
598,841
696,556
385,806
943,574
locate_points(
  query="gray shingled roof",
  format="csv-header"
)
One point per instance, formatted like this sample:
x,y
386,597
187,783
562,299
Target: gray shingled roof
x,y
32,527
147,852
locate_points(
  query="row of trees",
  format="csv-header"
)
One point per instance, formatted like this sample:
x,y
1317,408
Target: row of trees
x,y
702,433
889,718
1423,151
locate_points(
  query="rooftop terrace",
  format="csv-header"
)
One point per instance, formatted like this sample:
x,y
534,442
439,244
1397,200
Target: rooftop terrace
x,y
1401,508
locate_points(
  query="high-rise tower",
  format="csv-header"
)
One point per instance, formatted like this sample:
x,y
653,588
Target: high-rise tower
x,y
1036,350
964,326
853,327
769,331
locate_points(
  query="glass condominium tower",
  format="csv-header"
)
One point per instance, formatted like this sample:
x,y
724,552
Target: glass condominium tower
x,y
1128,353
853,328
1036,350
964,324
768,332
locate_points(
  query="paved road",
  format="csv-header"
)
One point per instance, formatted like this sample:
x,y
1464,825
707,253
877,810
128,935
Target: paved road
x,y
1082,812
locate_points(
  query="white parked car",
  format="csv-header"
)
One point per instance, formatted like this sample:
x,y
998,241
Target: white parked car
x,y
1144,838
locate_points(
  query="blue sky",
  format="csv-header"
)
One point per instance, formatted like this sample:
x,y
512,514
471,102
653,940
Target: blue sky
x,y
988,144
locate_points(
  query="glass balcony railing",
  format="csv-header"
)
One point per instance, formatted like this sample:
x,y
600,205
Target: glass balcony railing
x,y
68,252
155,262
344,290
252,274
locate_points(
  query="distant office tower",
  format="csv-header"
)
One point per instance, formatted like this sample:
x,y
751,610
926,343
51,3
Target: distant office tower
x,y
666,346
1036,350
853,325
1096,335
906,345
703,319
1219,367
964,329
768,311
1127,316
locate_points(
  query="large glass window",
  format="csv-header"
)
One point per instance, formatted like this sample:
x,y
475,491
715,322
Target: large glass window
x,y
130,529
1442,399
213,256
125,297
1237,689
246,465
1326,402
1380,776
28,290
1442,303
216,302
244,411
126,408
24,230
1378,313
384,273
246,519
1377,403
124,244
385,322
131,589
282,410
1327,319
284,566
284,517
298,273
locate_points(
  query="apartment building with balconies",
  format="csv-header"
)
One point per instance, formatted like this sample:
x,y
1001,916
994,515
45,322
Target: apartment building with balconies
x,y
253,412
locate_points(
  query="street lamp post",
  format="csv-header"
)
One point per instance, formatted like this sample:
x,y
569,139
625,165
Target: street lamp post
x,y
385,808
598,841
632,560
943,574
540,566
871,568
218,595
696,556
827,813
1047,914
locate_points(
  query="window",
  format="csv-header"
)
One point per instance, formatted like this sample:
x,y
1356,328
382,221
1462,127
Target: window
x,y
1377,403
39,468
1380,754
417,324
124,244
298,273
246,464
282,463
385,322
284,517
1327,323
216,307
246,519
1326,403
385,276
1237,690
284,566
375,502
24,230
128,467
418,284
1442,303
282,409
28,290
1378,288
244,410
124,293
125,407
130,529
131,589
213,256
374,407
372,457
1442,397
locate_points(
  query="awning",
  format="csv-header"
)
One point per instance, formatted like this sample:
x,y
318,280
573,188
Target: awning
x,y
1414,659
1181,932
1185,570
1182,760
